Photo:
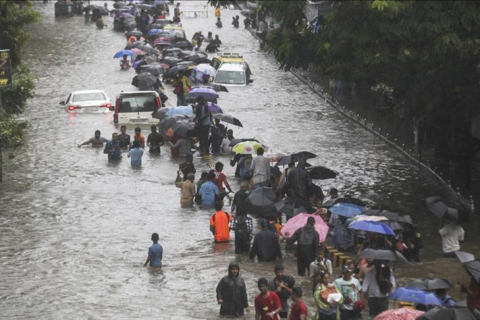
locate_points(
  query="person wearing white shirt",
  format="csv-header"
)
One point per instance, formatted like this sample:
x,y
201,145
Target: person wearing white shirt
x,y
451,234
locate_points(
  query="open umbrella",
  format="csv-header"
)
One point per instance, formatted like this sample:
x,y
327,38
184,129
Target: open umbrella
x,y
214,108
428,284
399,314
173,71
218,87
198,56
134,33
205,69
369,218
153,32
387,255
122,53
171,61
474,268
183,128
438,313
142,6
119,4
144,80
208,94
464,257
147,48
346,209
439,209
246,12
322,173
154,69
228,119
185,110
160,114
234,142
261,202
349,199
300,220
248,147
102,10
295,157
285,206
397,217
371,226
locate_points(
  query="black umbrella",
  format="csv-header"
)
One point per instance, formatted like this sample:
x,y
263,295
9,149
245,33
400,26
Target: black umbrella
x,y
219,87
183,44
150,60
144,80
464,257
234,142
285,206
171,61
172,52
228,119
134,33
183,128
261,202
143,6
322,173
154,69
176,70
295,157
438,208
329,203
186,63
441,313
166,123
316,191
160,114
474,268
147,48
429,284
102,10
382,255
119,4
392,216
197,56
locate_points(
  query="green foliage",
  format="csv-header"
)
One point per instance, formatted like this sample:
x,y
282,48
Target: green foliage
x,y
23,87
223,3
11,130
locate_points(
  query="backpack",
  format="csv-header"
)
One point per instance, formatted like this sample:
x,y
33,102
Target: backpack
x,y
241,229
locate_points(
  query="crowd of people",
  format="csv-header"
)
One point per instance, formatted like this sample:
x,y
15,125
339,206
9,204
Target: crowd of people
x,y
360,282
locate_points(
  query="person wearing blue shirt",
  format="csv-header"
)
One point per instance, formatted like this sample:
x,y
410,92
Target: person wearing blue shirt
x,y
446,299
155,253
136,154
112,148
209,191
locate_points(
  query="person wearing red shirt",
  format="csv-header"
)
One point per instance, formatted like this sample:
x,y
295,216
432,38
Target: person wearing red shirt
x,y
299,310
219,223
267,303
221,178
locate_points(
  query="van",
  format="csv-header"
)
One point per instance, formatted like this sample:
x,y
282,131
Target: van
x,y
136,107
232,74
227,58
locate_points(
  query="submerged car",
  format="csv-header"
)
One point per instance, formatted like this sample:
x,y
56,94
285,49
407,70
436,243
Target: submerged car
x,y
232,74
87,101
136,107
226,58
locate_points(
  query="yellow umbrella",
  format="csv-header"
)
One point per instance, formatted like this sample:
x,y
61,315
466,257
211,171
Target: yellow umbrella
x,y
248,147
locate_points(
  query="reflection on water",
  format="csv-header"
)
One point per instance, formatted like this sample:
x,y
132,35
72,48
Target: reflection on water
x,y
75,228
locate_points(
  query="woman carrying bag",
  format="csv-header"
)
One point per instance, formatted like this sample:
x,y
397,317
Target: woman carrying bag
x,y
328,299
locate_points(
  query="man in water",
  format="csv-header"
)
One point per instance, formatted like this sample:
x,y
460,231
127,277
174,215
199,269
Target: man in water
x,y
136,154
209,191
204,121
124,138
260,168
154,141
307,239
232,293
138,136
96,141
282,285
155,252
267,303
187,188
299,310
219,223
112,148
265,245
187,167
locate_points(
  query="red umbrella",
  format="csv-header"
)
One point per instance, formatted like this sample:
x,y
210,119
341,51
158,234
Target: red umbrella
x,y
300,220
399,314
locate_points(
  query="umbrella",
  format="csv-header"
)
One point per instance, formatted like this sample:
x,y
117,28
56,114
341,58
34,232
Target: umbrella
x,y
208,94
248,147
160,114
473,267
228,119
234,142
372,226
464,257
126,17
102,10
351,200
246,12
261,202
438,208
295,157
329,203
119,4
321,173
346,209
136,63
198,56
152,32
382,255
215,108
122,53
186,111
143,6
134,33
415,296
369,218
219,87
151,59
300,220
171,61
286,206
205,69
147,48
154,69
182,128
154,26
144,80
428,284
448,314
137,51
173,71
397,217
399,314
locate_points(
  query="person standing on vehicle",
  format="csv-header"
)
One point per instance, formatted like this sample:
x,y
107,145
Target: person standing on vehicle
x,y
96,141
307,239
155,253
124,138
112,148
187,188
242,225
135,154
260,169
282,285
232,293
154,141
219,223
204,121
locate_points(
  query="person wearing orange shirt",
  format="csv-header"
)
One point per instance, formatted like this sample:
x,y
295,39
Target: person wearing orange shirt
x,y
219,223
138,136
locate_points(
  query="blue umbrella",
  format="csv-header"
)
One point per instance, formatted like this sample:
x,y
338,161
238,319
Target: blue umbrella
x,y
346,209
186,111
136,63
371,226
208,94
121,53
153,32
415,296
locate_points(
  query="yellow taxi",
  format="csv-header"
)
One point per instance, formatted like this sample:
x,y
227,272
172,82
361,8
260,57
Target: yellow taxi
x,y
233,58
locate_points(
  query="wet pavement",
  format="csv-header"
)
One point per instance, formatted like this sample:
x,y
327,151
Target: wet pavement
x,y
75,228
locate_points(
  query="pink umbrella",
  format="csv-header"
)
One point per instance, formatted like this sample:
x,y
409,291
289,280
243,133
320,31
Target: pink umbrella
x,y
300,220
399,314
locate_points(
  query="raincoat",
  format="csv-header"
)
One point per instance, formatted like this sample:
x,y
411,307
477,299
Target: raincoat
x,y
233,292
298,180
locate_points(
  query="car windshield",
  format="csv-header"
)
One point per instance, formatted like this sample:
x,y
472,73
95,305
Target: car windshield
x,y
177,33
91,96
143,103
230,77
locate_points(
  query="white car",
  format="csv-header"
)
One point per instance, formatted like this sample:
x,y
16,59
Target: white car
x,y
87,101
232,74
136,107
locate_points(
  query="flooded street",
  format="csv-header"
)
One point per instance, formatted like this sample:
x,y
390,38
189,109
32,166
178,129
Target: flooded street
x,y
75,229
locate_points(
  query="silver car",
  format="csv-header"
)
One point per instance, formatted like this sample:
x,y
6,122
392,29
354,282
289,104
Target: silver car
x,y
87,101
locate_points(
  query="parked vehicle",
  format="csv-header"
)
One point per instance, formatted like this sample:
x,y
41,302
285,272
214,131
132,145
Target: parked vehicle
x,y
87,101
136,107
232,74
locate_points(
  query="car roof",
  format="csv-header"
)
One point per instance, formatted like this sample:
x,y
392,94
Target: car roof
x,y
232,67
136,93
174,27
88,91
